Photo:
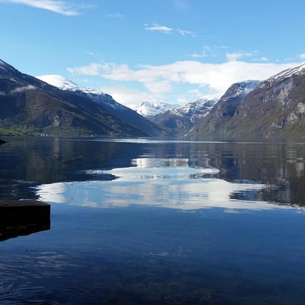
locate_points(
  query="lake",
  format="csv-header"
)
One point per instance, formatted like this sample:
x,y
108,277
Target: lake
x,y
139,221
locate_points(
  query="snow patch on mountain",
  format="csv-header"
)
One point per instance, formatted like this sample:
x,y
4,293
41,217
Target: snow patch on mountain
x,y
297,70
198,107
59,82
151,109
239,90
65,84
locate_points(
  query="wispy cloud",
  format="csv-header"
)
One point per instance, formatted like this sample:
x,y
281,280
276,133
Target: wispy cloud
x,y
56,6
238,55
116,15
199,55
264,58
185,33
167,30
22,89
160,28
302,56
203,53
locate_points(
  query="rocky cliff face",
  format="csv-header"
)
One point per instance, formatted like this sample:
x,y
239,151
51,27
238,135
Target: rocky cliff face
x,y
216,120
274,109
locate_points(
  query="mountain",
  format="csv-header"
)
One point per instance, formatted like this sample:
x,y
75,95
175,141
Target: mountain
x,y
181,119
29,105
274,109
151,109
116,109
225,108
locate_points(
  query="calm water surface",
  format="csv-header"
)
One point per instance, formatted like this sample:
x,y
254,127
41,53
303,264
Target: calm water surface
x,y
156,222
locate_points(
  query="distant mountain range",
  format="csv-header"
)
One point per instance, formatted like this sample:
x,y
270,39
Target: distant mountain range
x,y
29,105
53,105
114,108
181,119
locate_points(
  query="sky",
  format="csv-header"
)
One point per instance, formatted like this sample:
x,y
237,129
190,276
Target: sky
x,y
172,51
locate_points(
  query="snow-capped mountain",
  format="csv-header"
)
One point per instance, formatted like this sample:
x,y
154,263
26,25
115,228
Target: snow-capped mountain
x,y
120,111
273,109
238,91
226,106
197,109
66,84
31,106
183,118
294,71
151,109
59,82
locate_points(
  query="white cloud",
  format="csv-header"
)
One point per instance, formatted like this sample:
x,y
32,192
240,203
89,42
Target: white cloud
x,y
159,28
302,56
167,30
199,55
161,79
185,32
238,55
22,89
208,51
57,6
129,97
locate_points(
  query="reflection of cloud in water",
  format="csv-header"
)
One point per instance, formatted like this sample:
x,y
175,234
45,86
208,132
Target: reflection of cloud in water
x,y
155,168
186,196
56,192
158,162
156,182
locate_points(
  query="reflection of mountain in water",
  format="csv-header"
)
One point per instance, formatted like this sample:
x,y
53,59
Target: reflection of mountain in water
x,y
167,182
26,162
280,167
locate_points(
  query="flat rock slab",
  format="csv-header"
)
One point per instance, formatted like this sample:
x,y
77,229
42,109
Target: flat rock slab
x,y
22,204
14,212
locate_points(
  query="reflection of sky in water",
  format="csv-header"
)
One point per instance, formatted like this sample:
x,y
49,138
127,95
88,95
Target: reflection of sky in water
x,y
170,183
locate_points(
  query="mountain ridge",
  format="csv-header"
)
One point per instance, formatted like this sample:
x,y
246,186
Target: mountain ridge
x,y
116,109
32,106
181,119
273,109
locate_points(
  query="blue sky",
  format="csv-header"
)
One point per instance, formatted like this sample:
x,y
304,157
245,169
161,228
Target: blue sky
x,y
173,51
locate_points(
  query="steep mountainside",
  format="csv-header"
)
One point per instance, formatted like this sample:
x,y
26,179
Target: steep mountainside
x,y
116,109
274,109
180,120
31,105
226,107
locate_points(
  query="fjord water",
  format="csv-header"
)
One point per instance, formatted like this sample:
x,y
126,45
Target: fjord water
x,y
140,221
